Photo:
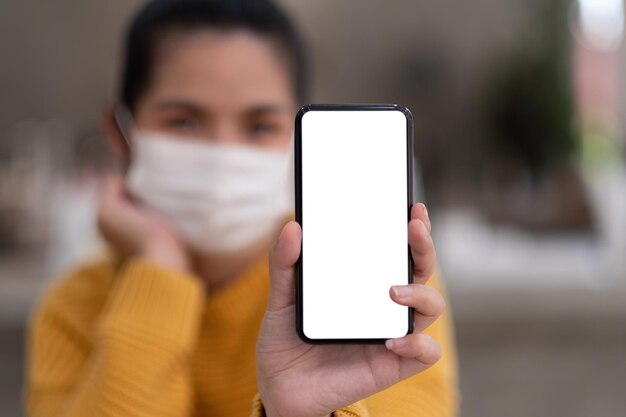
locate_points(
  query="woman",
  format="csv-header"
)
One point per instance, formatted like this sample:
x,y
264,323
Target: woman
x,y
182,320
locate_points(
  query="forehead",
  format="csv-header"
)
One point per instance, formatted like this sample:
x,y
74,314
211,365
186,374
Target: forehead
x,y
220,69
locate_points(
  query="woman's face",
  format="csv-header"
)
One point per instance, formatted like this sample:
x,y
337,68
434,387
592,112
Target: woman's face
x,y
222,86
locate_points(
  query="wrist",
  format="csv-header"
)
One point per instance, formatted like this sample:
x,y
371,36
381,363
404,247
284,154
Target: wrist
x,y
167,255
268,412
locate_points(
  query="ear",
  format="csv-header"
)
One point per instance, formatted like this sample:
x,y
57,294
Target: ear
x,y
114,137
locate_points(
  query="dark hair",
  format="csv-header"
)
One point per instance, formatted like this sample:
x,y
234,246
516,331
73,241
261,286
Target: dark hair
x,y
158,17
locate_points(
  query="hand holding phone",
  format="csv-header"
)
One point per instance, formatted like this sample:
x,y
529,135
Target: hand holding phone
x,y
299,378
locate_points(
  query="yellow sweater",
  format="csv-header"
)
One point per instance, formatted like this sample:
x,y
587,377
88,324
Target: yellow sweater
x,y
135,339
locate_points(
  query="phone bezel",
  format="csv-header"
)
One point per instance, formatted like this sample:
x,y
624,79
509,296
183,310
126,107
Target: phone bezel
x,y
298,208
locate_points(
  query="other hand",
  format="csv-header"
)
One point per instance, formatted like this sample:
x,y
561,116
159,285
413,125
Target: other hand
x,y
134,230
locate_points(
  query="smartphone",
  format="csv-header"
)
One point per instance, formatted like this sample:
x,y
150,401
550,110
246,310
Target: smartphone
x,y
353,189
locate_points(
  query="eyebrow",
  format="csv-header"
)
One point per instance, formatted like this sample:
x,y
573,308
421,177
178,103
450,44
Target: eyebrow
x,y
182,104
179,104
266,108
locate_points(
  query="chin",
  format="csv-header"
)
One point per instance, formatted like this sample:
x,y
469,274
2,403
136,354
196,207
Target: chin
x,y
219,266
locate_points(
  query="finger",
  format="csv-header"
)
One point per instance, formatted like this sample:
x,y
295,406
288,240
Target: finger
x,y
426,301
419,211
118,222
112,186
283,256
419,346
422,251
109,196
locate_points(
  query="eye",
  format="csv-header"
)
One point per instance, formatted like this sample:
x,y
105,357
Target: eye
x,y
183,124
262,128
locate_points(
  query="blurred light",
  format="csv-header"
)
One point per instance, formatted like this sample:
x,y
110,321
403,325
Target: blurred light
x,y
602,23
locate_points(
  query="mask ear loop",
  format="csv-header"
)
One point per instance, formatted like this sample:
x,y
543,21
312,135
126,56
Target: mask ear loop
x,y
124,120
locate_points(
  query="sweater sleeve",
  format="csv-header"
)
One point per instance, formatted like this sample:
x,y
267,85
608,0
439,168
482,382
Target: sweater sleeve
x,y
357,409
432,393
135,361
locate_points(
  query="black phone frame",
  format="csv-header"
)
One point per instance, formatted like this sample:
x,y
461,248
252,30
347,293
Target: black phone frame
x,y
298,208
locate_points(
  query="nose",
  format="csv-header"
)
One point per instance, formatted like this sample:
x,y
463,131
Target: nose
x,y
226,131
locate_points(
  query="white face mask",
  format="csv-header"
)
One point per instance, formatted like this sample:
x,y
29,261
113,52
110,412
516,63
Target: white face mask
x,y
219,197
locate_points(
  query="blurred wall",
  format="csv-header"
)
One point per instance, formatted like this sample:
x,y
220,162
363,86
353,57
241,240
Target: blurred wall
x,y
61,59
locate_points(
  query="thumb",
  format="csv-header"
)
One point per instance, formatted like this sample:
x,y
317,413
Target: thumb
x,y
282,259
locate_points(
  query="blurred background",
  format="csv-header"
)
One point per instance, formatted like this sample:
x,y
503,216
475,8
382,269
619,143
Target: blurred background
x,y
520,127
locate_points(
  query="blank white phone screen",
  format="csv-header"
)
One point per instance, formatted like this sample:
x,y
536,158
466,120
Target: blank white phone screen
x,y
354,223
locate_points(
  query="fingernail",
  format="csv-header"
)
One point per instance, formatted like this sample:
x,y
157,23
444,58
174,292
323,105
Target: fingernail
x,y
401,291
395,343
279,239
282,232
424,229
426,215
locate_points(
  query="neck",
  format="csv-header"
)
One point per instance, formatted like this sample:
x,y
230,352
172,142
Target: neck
x,y
217,270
